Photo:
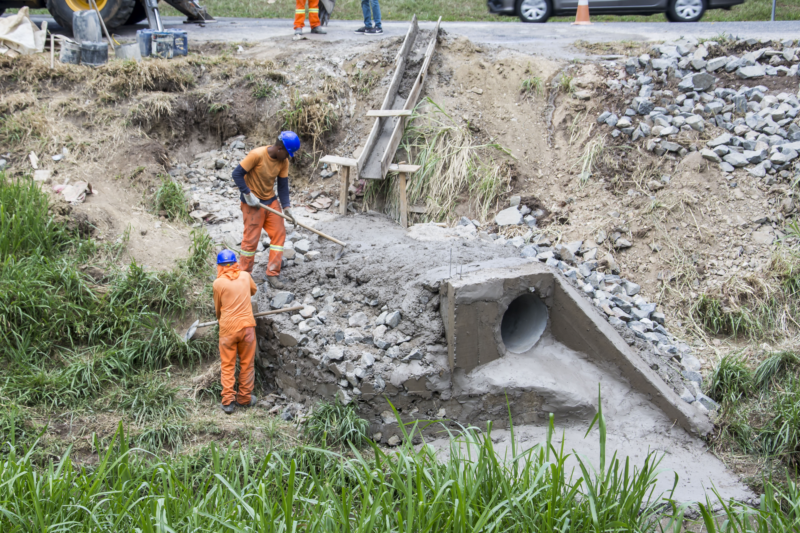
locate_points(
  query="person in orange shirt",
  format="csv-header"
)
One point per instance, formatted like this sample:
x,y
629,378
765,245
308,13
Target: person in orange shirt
x,y
313,17
237,331
256,177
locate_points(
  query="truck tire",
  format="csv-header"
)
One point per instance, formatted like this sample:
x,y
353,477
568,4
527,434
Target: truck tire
x,y
137,15
114,12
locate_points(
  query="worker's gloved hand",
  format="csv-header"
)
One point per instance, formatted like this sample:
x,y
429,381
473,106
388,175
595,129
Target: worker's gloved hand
x,y
288,212
251,200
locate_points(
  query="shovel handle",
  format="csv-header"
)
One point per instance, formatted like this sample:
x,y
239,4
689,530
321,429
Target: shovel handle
x,y
263,313
337,241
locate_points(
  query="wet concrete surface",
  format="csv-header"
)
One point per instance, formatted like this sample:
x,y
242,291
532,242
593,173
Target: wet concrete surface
x,y
553,40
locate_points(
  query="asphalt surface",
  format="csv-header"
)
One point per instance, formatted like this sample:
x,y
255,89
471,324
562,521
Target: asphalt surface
x,y
552,40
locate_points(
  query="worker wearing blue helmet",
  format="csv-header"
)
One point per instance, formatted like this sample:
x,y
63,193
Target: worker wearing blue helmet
x,y
257,177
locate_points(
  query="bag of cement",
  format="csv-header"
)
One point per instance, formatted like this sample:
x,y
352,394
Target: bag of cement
x,y
325,10
20,36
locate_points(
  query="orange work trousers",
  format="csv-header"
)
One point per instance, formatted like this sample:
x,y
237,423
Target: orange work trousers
x,y
243,342
300,13
255,219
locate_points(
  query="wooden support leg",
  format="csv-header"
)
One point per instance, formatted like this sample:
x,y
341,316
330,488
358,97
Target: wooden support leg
x,y
403,200
345,172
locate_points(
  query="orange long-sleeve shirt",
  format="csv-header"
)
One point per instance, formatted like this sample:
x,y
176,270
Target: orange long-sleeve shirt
x,y
232,291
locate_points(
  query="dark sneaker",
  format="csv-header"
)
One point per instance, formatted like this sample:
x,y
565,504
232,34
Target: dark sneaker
x,y
228,409
253,401
373,31
318,30
275,283
378,30
362,30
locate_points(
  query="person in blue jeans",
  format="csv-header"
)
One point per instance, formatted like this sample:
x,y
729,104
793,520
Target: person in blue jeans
x,y
372,18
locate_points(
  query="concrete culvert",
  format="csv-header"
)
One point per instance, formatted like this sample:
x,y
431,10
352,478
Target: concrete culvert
x,y
523,323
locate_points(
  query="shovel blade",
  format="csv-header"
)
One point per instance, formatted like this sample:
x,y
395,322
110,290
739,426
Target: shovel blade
x,y
340,253
190,331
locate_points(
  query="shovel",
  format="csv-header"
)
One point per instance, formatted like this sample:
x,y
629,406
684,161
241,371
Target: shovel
x,y
193,328
339,254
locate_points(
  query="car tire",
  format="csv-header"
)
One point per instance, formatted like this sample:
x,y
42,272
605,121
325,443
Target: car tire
x,y
686,10
534,10
114,12
137,15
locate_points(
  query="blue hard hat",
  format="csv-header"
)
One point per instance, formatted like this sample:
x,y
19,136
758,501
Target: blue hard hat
x,y
290,141
226,256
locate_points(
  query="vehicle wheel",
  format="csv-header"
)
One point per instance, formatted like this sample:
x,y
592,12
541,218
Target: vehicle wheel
x,y
114,12
137,15
534,10
686,10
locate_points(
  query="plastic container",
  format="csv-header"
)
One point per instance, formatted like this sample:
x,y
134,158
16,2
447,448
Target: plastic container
x,y
128,51
94,54
70,52
181,44
86,26
162,44
143,37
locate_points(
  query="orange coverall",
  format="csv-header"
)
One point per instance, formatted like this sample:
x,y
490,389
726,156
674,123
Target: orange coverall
x,y
300,13
261,174
237,331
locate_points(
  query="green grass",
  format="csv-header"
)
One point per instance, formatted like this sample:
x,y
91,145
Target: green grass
x,y
334,424
532,86
409,488
65,338
169,201
472,10
760,412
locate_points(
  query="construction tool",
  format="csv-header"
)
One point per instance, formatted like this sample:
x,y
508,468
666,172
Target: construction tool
x,y
193,328
339,254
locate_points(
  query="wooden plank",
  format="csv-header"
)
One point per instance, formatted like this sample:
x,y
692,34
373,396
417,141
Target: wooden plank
x,y
408,169
343,193
389,113
421,209
401,183
341,161
391,92
413,96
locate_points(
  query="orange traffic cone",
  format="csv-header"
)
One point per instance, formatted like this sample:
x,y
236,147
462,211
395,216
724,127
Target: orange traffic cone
x,y
582,16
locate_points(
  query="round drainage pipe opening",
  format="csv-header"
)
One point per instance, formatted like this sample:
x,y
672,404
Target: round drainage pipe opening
x,y
523,323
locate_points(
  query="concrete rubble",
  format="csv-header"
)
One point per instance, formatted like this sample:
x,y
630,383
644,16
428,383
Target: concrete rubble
x,y
749,125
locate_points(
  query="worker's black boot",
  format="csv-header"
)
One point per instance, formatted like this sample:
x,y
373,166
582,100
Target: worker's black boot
x,y
228,409
253,401
275,283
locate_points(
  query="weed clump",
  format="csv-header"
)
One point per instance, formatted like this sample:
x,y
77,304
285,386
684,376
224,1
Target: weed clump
x,y
169,201
335,424
65,338
309,116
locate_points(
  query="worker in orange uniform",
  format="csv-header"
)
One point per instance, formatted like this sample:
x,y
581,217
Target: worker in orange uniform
x,y
256,177
237,331
313,17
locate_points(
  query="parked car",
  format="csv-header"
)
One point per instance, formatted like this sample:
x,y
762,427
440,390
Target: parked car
x,y
541,10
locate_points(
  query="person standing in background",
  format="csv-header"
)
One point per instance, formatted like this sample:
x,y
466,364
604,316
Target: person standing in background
x,y
372,18
313,17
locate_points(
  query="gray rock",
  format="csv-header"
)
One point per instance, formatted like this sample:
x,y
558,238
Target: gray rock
x,y
709,155
603,116
687,396
358,320
736,160
622,244
464,221
631,288
302,246
3,164
695,122
716,63
393,319
725,138
508,217
334,353
642,105
612,120
754,71
707,402
529,251
415,355
281,300
658,318
692,375
343,397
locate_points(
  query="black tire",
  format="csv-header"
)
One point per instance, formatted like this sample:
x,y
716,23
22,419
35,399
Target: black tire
x,y
686,10
534,10
137,15
115,12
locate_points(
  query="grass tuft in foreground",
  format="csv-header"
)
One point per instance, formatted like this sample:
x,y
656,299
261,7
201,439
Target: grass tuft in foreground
x,y
335,424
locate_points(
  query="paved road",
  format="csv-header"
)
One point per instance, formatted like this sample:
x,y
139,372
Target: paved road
x,y
551,39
